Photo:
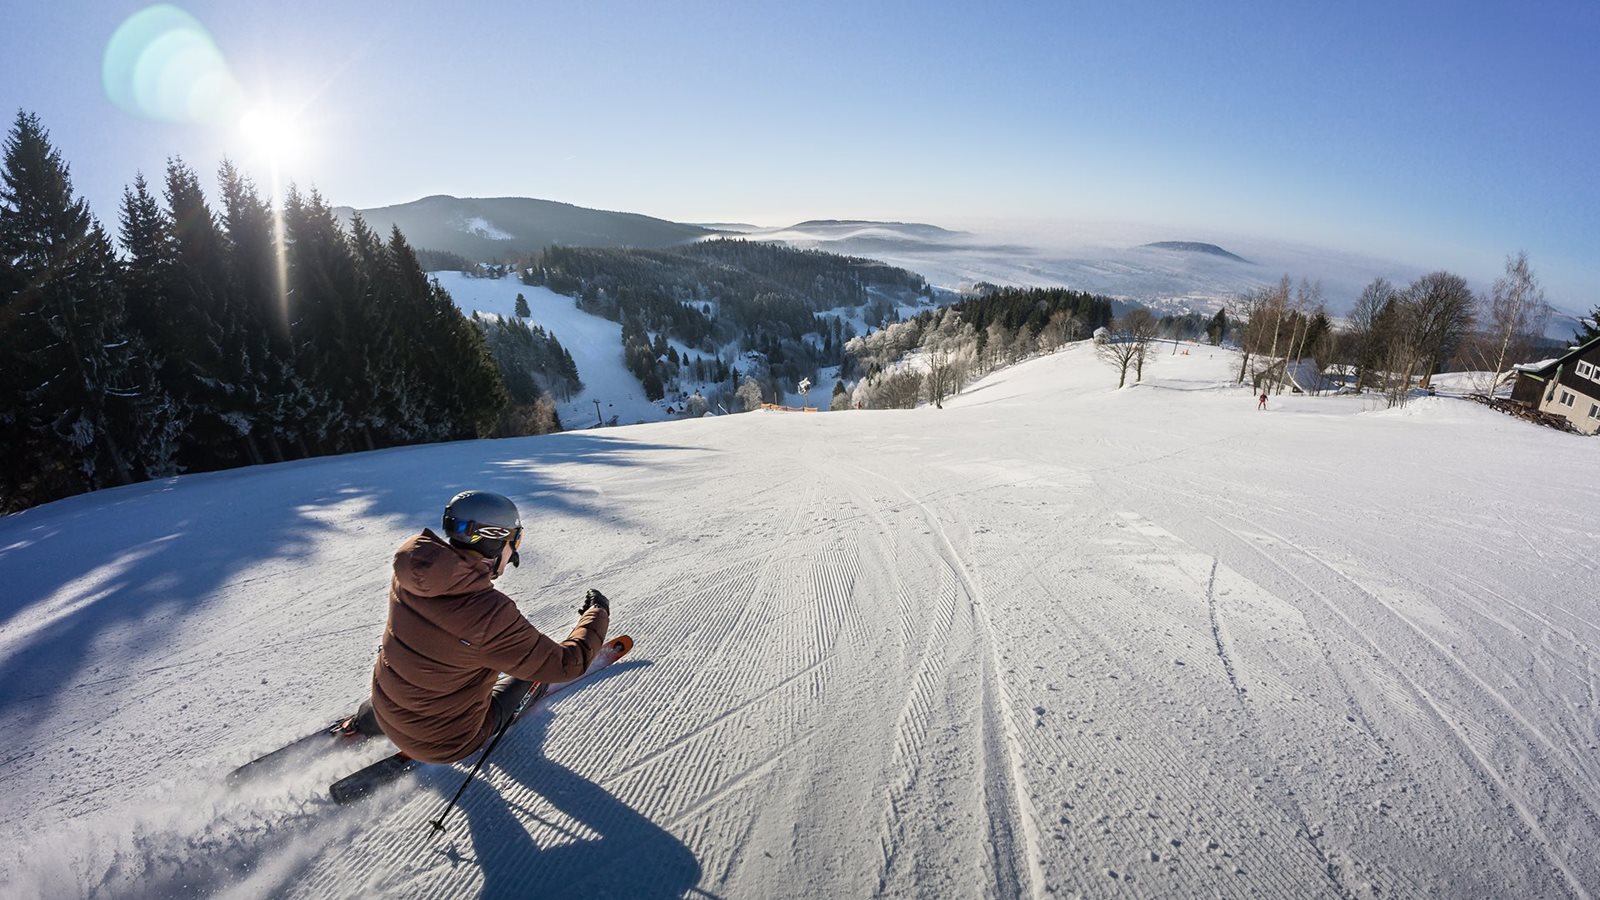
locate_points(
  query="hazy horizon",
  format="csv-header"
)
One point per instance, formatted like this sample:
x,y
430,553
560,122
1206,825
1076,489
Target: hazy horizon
x,y
1431,135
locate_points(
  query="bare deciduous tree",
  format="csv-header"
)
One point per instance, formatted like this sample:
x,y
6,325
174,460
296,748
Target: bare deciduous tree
x,y
1126,344
1367,322
1278,306
1307,297
748,396
942,379
1141,327
1257,316
1115,353
1441,315
1245,310
897,389
1054,333
1516,315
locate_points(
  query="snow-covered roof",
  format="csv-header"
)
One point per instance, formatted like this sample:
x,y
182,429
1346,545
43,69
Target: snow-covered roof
x,y
1551,363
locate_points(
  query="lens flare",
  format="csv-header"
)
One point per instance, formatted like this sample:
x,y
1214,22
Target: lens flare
x,y
162,64
271,134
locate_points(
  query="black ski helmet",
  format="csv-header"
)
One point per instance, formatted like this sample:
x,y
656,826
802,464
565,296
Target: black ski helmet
x,y
483,522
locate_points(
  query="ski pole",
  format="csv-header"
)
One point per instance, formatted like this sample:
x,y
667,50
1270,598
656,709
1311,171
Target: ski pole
x,y
528,699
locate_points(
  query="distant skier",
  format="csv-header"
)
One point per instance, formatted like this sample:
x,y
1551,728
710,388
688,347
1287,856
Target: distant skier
x,y
1263,403
436,687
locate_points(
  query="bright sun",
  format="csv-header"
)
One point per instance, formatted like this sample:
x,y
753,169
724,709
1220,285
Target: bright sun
x,y
271,133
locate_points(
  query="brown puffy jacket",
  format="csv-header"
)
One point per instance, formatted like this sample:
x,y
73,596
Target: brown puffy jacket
x,y
450,635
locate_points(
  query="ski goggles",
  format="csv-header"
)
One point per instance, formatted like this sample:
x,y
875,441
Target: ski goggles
x,y
472,532
512,536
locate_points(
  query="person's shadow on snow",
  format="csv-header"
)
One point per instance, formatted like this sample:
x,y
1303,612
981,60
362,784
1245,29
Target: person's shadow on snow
x,y
606,849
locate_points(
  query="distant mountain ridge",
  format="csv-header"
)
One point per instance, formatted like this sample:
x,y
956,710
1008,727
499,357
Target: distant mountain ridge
x,y
918,229
1197,247
1171,275
491,229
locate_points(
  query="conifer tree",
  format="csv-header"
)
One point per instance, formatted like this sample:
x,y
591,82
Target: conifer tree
x,y
421,413
1217,329
147,281
278,397
1588,327
461,391
79,401
325,320
211,339
523,311
376,343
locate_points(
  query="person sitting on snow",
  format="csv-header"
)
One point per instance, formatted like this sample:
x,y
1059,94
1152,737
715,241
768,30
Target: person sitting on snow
x,y
437,690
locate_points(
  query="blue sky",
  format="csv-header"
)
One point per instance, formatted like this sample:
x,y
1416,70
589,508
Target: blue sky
x,y
1437,134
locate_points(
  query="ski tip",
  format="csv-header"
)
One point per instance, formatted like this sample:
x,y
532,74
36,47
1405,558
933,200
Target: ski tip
x,y
620,645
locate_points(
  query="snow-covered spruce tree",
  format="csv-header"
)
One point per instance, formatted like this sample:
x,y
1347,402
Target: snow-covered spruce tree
x,y
79,400
522,310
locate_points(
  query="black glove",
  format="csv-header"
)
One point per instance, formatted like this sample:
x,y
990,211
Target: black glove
x,y
594,598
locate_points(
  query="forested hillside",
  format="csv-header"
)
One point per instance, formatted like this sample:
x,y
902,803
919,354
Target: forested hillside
x,y
957,344
715,294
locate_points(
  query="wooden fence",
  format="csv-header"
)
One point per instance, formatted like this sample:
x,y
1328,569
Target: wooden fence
x,y
776,408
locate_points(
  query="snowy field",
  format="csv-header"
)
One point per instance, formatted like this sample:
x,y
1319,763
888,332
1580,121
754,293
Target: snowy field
x,y
1052,640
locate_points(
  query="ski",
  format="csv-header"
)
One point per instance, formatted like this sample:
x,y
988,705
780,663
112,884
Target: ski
x,y
335,734
363,782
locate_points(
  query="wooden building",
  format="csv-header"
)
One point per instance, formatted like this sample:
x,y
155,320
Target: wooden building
x,y
1568,386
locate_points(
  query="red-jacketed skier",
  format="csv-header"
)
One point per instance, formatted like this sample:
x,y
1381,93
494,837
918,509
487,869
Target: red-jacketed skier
x,y
1263,403
437,688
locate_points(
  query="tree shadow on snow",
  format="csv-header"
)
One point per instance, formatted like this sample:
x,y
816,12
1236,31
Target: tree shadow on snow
x,y
596,845
159,551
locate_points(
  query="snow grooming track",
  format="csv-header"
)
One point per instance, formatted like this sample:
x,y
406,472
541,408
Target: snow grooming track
x,y
1216,631
1011,805
1306,831
1171,547
928,685
1487,772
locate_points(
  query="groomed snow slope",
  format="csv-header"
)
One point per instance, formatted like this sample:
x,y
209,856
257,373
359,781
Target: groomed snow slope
x,y
1053,639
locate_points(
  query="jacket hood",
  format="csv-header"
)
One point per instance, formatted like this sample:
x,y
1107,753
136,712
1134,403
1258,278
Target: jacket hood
x,y
429,566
